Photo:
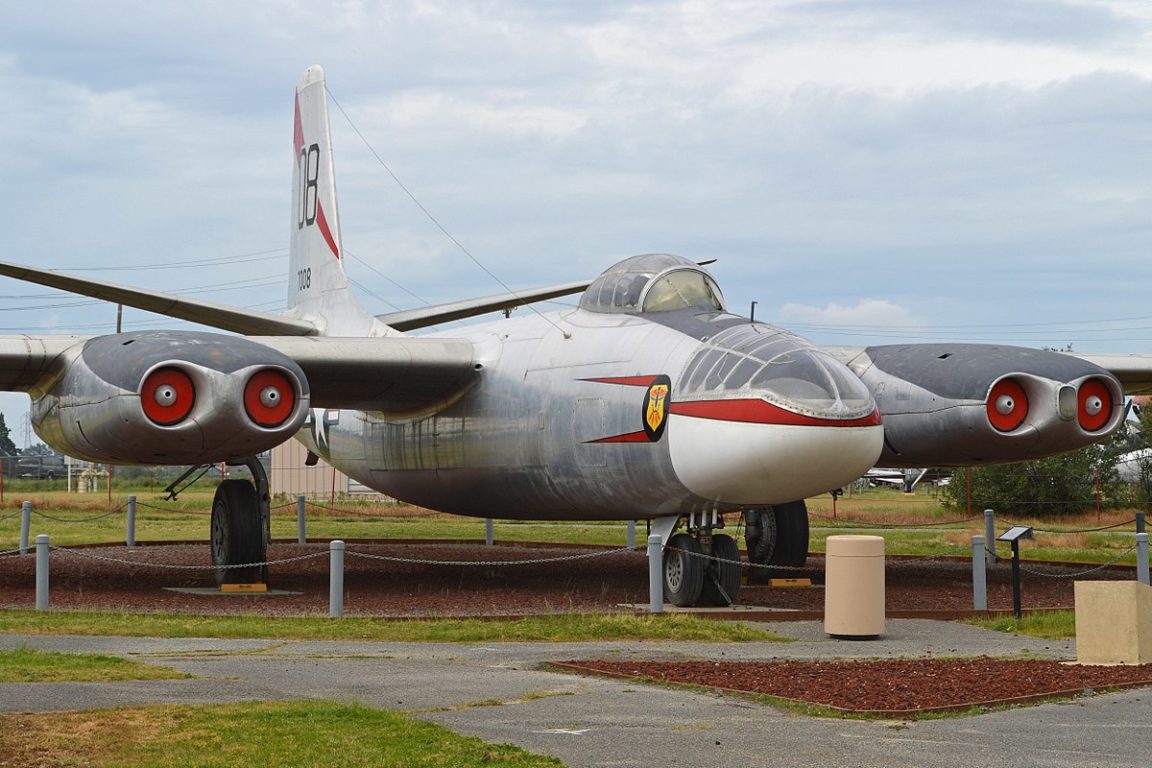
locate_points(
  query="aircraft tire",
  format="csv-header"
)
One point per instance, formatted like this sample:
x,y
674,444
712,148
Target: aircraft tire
x,y
791,548
776,536
683,571
237,533
721,579
760,540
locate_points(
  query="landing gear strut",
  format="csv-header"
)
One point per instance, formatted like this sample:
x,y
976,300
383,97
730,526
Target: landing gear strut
x,y
241,527
702,567
776,536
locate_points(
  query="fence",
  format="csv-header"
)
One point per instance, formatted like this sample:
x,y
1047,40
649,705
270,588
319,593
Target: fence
x,y
983,554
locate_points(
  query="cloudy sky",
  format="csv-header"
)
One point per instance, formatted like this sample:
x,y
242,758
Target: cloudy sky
x,y
868,171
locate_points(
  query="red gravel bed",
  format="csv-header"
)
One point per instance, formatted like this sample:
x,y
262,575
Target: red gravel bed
x,y
886,687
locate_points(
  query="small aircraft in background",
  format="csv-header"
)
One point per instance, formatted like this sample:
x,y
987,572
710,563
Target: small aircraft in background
x,y
649,400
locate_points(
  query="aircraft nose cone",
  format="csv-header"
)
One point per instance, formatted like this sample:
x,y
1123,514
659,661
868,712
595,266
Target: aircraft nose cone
x,y
751,452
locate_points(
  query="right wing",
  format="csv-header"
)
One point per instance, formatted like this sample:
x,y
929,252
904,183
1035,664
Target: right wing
x,y
209,313
395,374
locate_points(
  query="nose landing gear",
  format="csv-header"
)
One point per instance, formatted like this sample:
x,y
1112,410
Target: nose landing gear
x,y
702,567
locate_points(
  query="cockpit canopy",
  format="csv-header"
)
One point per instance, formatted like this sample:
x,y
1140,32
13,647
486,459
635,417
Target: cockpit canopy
x,y
653,282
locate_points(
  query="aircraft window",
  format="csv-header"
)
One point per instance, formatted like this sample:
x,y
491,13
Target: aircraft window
x,y
658,281
778,366
683,289
694,381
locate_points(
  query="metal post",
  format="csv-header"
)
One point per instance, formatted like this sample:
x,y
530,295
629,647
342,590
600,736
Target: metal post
x,y
630,536
25,524
489,534
301,525
979,575
990,535
655,573
42,572
1016,578
1139,522
130,539
1142,558
336,579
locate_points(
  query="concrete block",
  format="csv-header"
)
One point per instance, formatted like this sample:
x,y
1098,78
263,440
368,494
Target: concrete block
x,y
1113,622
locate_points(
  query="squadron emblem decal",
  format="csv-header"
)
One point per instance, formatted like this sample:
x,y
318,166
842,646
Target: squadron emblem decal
x,y
653,411
656,407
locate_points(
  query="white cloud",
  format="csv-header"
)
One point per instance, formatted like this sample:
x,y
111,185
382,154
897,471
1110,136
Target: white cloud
x,y
870,314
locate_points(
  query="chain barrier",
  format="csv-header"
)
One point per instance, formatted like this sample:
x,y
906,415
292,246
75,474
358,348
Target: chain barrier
x,y
958,552
11,516
116,511
146,505
172,567
865,524
1082,530
1113,561
11,551
531,561
749,563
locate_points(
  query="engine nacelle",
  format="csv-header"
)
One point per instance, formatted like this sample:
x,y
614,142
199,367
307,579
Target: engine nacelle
x,y
171,397
954,405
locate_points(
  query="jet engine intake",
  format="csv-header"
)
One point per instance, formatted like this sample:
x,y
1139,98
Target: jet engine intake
x,y
172,398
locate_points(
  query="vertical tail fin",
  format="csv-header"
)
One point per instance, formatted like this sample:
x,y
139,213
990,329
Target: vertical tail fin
x,y
317,285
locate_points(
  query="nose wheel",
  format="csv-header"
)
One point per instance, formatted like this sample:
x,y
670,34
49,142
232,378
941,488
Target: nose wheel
x,y
695,577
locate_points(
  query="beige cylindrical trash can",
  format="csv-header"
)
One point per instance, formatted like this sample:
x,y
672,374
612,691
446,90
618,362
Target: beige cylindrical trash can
x,y
854,587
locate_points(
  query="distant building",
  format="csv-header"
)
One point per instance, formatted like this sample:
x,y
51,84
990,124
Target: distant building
x,y
289,475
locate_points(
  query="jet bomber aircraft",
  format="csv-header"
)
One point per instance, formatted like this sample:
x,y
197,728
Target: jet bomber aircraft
x,y
648,401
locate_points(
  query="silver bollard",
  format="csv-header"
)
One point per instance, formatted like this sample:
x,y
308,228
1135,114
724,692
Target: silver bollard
x,y
655,573
301,526
336,579
990,535
130,537
979,575
25,524
489,533
42,572
1142,558
630,535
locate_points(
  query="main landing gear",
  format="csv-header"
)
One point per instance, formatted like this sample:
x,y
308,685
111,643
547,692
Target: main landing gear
x,y
776,536
241,527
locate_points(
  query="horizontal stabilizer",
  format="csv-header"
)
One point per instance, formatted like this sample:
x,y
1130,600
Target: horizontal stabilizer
x,y
423,317
222,316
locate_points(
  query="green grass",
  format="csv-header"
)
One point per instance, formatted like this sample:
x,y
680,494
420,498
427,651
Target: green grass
x,y
250,735
553,628
25,665
1052,625
73,520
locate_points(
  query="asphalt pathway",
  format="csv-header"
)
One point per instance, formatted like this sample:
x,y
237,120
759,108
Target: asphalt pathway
x,y
499,693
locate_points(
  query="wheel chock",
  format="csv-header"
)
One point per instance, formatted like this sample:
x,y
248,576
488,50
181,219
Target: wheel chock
x,y
244,588
789,582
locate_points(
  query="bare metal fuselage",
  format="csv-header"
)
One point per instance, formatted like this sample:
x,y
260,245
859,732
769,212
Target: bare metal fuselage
x,y
552,429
